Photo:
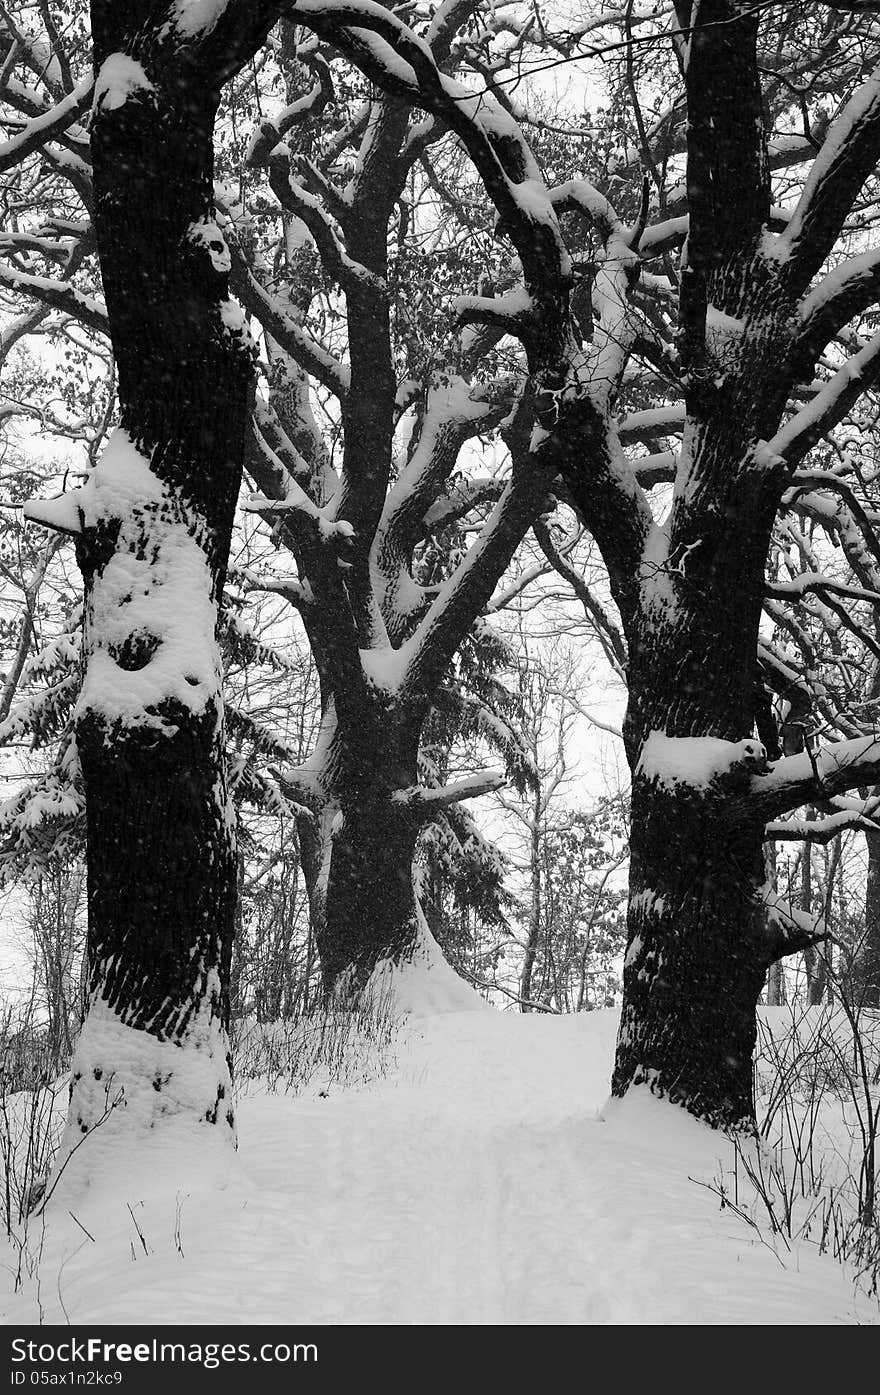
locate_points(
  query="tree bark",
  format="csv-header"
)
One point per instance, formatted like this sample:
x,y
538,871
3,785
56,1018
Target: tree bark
x,y
697,955
699,944
371,913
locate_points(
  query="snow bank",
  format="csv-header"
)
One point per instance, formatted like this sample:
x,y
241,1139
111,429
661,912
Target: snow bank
x,y
138,1106
425,984
486,1180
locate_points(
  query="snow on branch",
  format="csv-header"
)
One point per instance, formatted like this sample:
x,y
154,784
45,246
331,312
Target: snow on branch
x,y
61,514
296,593
817,417
663,237
844,517
300,787
463,595
295,199
462,498
578,195
269,132
29,242
655,421
813,777
506,594
389,53
456,410
299,510
815,582
16,329
57,295
303,349
660,467
282,452
848,289
512,313
426,803
779,674
789,929
821,830
337,201
40,129
847,158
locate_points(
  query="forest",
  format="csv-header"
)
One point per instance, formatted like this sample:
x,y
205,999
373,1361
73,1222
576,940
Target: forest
x,y
440,586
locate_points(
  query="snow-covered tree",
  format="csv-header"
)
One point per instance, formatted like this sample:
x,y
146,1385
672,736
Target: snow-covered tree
x,y
152,525
662,333
747,307
373,534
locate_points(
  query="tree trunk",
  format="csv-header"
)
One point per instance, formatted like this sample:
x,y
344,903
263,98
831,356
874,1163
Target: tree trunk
x,y
315,846
372,933
156,517
697,955
699,945
700,938
815,966
775,974
776,995
534,934
866,970
371,911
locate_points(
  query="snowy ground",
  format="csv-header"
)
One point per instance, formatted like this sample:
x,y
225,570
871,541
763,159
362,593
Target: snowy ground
x,y
483,1178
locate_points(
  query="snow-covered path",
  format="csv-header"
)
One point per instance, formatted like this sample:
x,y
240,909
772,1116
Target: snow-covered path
x,y
474,1183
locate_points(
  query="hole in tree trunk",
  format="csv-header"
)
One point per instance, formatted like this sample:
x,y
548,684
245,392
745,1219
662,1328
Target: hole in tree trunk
x,y
135,652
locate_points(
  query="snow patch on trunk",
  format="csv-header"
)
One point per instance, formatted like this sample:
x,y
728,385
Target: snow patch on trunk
x,y
119,76
206,234
150,622
656,574
196,16
647,902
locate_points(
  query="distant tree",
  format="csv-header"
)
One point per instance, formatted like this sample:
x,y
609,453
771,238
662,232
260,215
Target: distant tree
x,y
585,935
564,858
54,908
